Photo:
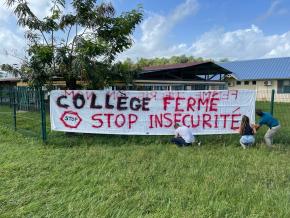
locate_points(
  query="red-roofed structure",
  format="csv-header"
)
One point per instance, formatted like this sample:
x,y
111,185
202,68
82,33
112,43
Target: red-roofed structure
x,y
184,76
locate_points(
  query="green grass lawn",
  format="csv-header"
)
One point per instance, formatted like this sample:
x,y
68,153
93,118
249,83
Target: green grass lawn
x,y
85,175
126,177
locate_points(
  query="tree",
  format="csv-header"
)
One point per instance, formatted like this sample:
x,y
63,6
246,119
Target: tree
x,y
81,45
143,62
126,71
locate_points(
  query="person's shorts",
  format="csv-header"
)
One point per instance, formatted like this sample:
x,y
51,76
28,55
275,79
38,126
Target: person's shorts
x,y
247,139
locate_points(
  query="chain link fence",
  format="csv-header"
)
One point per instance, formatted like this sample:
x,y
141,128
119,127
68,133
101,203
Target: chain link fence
x,y
279,105
23,109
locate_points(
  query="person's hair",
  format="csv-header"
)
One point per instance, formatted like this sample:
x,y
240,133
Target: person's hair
x,y
245,122
259,112
176,125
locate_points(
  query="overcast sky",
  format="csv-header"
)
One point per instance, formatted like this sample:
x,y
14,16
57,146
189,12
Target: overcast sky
x,y
234,29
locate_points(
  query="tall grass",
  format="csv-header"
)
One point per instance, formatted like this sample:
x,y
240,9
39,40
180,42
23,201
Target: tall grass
x,y
124,177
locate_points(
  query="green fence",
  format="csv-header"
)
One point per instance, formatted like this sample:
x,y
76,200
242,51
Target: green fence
x,y
23,109
28,99
26,110
279,105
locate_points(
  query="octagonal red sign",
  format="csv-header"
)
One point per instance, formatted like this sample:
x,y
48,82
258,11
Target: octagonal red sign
x,y
71,119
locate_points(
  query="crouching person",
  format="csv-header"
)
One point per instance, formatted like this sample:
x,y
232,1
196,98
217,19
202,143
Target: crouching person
x,y
273,124
247,132
183,136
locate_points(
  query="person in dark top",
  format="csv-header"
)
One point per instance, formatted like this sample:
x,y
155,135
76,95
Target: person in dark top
x,y
247,132
268,120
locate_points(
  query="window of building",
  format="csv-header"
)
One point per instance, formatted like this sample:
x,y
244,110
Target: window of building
x,y
160,87
246,83
283,86
178,87
188,87
222,87
239,83
200,87
148,88
254,82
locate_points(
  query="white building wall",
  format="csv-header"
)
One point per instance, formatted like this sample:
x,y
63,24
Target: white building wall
x,y
264,92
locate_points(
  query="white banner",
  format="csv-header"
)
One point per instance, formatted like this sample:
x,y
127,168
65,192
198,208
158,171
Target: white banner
x,y
150,112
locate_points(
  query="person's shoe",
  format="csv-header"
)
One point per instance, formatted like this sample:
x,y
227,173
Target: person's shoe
x,y
243,145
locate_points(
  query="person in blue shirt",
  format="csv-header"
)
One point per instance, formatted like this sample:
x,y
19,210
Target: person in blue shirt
x,y
247,132
268,120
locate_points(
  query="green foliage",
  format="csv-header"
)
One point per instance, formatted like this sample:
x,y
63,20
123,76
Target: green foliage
x,y
81,45
11,69
126,71
144,62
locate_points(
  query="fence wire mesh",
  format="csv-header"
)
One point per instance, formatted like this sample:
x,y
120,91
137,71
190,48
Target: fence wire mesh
x,y
279,104
20,110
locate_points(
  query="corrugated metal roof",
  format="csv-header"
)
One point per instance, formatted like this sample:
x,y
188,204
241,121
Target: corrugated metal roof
x,y
259,69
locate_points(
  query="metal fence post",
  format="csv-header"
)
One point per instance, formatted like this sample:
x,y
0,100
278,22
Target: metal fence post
x,y
14,96
43,115
272,101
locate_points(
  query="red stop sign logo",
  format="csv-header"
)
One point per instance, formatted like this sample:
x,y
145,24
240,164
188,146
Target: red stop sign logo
x,y
71,119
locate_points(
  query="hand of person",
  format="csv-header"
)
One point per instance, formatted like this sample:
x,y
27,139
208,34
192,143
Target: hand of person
x,y
253,125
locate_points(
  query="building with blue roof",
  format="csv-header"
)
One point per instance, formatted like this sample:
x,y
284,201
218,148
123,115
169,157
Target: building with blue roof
x,y
260,74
